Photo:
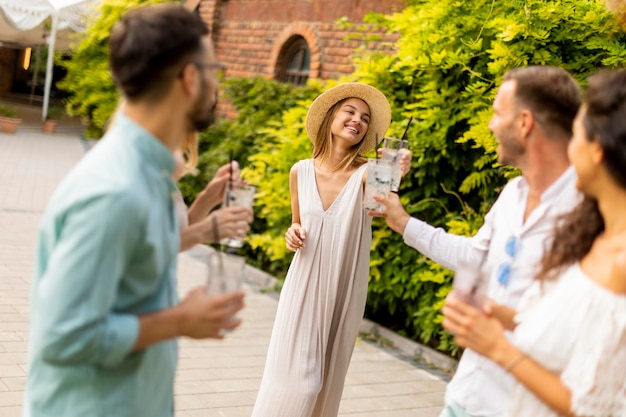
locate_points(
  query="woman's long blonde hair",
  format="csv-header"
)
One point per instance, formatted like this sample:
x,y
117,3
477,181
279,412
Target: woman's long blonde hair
x,y
322,144
190,153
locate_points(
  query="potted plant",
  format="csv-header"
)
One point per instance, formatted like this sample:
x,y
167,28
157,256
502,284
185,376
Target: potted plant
x,y
50,124
8,119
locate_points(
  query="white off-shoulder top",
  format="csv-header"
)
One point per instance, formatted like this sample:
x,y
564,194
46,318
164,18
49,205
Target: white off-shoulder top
x,y
577,329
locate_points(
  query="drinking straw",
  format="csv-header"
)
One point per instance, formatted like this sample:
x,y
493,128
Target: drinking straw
x,y
376,147
407,129
229,187
230,178
230,166
216,237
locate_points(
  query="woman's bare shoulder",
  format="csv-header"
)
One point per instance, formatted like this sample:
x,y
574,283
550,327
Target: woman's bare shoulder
x,y
618,271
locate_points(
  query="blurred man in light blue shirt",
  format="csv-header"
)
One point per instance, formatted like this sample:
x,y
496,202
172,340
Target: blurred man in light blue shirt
x,y
105,313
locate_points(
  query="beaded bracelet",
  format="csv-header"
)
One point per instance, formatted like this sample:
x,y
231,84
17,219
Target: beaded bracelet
x,y
509,367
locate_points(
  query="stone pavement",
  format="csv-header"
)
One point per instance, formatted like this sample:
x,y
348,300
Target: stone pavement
x,y
215,378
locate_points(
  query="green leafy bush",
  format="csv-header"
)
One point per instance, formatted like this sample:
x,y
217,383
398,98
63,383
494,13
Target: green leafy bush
x,y
54,113
7,111
450,58
93,95
260,104
258,101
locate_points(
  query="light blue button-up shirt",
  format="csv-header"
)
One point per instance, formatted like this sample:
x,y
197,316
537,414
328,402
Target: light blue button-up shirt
x,y
107,253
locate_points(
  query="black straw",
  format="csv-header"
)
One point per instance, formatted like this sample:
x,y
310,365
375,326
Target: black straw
x,y
407,128
230,178
376,147
230,167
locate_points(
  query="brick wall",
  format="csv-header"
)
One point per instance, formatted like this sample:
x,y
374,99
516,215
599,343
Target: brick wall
x,y
249,34
306,10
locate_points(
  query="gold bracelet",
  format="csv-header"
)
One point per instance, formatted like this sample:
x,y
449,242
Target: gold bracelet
x,y
515,362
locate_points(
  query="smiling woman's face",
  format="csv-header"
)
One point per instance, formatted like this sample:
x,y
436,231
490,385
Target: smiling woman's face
x,y
351,122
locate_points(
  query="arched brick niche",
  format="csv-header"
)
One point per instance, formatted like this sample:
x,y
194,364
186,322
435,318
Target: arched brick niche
x,y
287,36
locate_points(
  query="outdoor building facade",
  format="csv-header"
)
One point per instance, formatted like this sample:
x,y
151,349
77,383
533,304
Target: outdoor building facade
x,y
287,40
293,40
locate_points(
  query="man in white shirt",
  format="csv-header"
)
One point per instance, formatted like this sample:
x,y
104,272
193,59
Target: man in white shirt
x,y
532,122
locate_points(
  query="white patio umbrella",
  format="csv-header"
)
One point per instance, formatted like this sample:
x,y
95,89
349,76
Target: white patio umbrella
x,y
28,15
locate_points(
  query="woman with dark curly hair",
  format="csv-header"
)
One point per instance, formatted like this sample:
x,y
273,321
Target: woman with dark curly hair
x,y
569,354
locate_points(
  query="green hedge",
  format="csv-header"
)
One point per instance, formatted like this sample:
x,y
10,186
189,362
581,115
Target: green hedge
x,y
93,95
450,58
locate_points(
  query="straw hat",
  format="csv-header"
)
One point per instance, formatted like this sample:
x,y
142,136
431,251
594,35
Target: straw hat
x,y
380,111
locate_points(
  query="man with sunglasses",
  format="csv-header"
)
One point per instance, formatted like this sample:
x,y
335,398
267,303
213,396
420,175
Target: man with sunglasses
x,y
105,313
534,110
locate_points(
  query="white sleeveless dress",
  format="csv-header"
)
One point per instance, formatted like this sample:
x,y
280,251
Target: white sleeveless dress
x,y
321,304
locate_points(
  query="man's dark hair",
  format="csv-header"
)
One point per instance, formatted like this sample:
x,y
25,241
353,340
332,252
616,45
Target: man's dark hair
x,y
150,45
604,119
604,123
550,93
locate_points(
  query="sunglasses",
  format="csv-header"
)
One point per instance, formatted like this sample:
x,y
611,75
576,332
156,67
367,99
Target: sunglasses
x,y
511,248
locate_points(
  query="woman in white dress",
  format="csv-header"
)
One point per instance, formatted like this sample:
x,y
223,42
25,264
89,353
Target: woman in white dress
x,y
569,347
323,299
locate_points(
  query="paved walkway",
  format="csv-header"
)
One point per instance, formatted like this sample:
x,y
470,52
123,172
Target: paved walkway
x,y
215,378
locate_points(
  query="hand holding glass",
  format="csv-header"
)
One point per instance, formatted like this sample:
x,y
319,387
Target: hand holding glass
x,y
390,149
225,272
378,181
237,195
470,284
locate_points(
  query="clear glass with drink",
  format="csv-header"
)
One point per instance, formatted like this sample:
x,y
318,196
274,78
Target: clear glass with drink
x,y
378,182
390,149
235,196
225,272
470,284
